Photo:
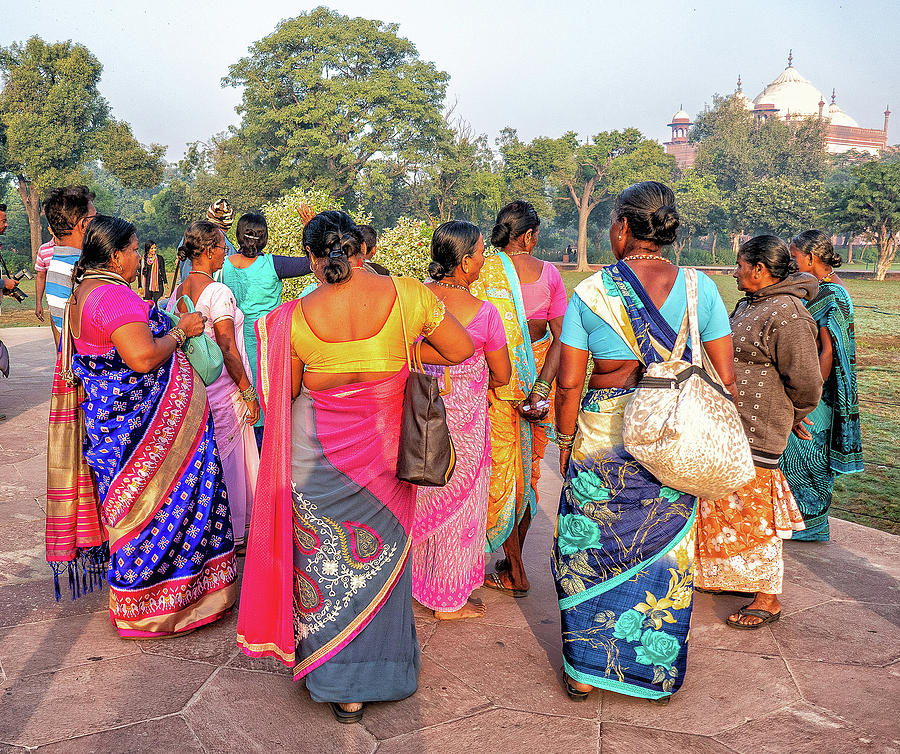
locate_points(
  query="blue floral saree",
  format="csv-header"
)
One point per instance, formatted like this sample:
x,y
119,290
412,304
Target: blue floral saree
x,y
836,448
624,544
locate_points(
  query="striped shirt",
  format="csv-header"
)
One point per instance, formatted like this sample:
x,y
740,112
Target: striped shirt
x,y
59,281
44,255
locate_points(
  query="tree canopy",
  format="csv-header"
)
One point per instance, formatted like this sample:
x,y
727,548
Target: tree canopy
x,y
325,94
54,123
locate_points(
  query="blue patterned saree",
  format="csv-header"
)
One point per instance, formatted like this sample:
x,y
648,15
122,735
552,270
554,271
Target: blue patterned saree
x,y
836,448
624,544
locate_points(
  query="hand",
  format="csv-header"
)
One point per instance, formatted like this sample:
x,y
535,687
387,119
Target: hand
x,y
564,455
306,212
39,311
252,415
801,431
8,284
192,324
534,408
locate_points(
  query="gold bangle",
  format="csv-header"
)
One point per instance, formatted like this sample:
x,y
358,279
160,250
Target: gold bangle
x,y
179,335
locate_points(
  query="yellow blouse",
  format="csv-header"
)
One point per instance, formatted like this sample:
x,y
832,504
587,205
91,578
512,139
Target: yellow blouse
x,y
383,352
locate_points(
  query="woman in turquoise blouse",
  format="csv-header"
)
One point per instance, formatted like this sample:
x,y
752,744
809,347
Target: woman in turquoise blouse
x,y
255,278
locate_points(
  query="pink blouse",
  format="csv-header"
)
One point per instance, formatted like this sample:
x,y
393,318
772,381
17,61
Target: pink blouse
x,y
545,298
486,329
104,311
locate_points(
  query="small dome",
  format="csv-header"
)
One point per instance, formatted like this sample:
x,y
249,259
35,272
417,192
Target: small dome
x,y
839,118
744,100
681,116
791,93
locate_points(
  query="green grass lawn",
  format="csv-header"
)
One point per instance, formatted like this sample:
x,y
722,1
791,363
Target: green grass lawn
x,y
872,497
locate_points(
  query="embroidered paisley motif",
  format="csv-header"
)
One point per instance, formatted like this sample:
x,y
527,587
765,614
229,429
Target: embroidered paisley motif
x,y
309,598
365,544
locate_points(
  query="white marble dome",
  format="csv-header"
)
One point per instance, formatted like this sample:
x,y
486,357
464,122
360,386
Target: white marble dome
x,y
791,93
681,115
839,118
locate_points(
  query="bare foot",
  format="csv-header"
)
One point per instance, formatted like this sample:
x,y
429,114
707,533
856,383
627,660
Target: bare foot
x,y
351,706
506,581
762,601
575,685
469,610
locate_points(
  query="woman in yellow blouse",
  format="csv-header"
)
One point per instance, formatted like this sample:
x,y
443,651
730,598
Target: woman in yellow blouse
x,y
327,584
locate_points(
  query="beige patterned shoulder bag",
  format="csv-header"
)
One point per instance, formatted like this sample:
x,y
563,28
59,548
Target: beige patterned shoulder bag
x,y
681,424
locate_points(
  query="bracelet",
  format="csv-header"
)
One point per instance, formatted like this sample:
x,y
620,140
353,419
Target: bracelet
x,y
249,394
179,335
564,441
541,388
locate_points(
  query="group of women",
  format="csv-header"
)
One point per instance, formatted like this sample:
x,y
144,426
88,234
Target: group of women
x,y
169,476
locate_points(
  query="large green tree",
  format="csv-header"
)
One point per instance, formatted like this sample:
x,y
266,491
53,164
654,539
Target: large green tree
x,y
590,173
740,151
701,208
54,123
325,94
870,202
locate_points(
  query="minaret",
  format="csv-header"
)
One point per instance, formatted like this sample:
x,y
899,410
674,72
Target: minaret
x,y
887,115
821,108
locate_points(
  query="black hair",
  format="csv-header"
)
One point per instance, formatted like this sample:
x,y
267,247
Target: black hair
x,y
65,207
104,236
2,207
514,221
369,236
817,244
649,207
451,243
333,235
252,233
772,253
148,245
199,236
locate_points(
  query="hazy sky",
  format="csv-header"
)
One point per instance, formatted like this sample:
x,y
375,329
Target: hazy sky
x,y
543,67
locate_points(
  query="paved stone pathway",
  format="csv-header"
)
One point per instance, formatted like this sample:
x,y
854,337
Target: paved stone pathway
x,y
826,678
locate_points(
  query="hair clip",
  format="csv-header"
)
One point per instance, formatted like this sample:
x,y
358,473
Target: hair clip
x,y
336,254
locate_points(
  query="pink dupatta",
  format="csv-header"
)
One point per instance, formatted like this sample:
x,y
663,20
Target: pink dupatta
x,y
266,615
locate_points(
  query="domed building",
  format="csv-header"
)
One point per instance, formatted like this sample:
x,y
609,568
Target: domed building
x,y
791,97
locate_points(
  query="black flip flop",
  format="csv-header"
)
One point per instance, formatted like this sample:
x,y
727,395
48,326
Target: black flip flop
x,y
347,718
730,592
765,615
574,694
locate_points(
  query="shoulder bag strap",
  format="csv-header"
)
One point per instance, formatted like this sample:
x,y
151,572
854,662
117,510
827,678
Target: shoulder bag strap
x,y
402,324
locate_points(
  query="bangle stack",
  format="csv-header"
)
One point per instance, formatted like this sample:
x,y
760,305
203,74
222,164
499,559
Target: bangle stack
x,y
178,334
249,395
541,388
565,441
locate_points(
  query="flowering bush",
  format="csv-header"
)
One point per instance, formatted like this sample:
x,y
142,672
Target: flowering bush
x,y
405,249
286,227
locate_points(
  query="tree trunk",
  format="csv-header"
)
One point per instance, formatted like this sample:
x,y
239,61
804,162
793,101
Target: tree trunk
x,y
850,250
736,242
715,236
30,196
583,211
887,250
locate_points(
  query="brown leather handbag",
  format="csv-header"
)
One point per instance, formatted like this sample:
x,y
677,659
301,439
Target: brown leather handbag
x,y
426,456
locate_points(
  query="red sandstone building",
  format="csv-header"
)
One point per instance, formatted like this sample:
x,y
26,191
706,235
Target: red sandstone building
x,y
791,97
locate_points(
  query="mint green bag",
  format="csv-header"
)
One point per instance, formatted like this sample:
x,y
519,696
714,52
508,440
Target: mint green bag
x,y
201,350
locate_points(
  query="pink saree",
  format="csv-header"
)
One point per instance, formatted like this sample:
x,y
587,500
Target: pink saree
x,y
326,581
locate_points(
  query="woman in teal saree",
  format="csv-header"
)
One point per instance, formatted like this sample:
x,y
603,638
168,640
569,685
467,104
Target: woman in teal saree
x,y
832,442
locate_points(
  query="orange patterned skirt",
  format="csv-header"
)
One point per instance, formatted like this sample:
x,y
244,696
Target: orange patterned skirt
x,y
739,536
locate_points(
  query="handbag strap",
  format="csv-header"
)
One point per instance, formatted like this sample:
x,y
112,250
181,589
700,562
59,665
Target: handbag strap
x,y
402,324
690,282
681,339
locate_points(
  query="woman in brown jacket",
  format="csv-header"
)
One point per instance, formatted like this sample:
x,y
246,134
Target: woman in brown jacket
x,y
779,383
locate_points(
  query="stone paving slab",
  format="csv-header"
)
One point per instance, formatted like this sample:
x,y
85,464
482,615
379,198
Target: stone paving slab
x,y
825,678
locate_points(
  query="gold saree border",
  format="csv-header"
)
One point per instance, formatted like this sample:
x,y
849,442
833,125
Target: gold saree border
x,y
208,606
157,489
288,658
302,668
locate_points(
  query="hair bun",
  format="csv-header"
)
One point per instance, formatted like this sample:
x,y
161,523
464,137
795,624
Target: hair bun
x,y
436,271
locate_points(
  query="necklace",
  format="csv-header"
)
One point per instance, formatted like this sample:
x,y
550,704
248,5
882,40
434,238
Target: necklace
x,y
452,285
827,278
649,257
201,272
516,253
